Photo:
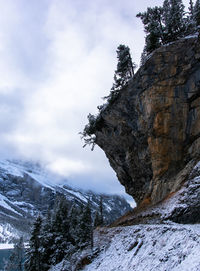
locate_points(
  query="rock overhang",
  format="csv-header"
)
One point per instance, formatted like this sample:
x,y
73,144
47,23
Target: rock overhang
x,y
152,130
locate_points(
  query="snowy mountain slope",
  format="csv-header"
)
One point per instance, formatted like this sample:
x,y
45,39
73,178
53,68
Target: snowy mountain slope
x,y
148,247
26,189
164,247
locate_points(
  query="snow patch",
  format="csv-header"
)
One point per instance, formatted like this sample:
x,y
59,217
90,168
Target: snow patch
x,y
8,167
6,246
4,204
77,194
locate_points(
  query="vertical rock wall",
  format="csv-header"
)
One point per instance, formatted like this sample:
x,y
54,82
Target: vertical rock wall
x,y
152,130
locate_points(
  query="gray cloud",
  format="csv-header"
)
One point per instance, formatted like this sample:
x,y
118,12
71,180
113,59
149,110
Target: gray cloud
x,y
57,61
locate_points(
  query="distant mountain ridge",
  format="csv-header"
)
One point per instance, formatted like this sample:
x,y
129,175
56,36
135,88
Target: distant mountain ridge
x,y
26,190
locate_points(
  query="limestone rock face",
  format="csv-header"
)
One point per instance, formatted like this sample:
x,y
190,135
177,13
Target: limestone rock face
x,y
151,132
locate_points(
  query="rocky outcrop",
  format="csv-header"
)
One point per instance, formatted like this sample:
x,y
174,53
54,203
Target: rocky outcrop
x,y
151,132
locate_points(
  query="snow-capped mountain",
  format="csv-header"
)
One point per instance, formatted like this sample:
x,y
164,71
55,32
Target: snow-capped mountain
x,y
26,190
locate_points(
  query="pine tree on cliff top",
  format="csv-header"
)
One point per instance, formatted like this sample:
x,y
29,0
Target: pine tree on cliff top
x,y
175,24
123,73
125,67
191,8
191,24
153,27
163,24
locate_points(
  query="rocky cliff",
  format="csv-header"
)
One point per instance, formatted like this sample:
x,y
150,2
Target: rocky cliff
x,y
151,132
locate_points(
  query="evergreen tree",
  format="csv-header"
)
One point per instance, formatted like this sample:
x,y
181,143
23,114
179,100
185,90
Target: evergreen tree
x,y
99,221
123,73
34,254
175,22
153,26
125,67
85,231
191,9
88,133
197,13
47,241
16,258
62,238
101,210
191,24
62,232
164,24
74,223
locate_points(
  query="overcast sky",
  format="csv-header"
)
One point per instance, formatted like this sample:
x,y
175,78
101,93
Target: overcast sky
x,y
57,59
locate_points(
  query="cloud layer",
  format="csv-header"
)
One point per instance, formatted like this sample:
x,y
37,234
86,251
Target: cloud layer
x,y
57,61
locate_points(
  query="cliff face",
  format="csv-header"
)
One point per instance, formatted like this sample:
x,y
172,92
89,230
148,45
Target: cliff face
x,y
151,132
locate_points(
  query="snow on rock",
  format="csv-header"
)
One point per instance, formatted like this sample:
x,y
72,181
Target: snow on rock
x,y
148,247
181,206
4,203
76,194
7,234
8,167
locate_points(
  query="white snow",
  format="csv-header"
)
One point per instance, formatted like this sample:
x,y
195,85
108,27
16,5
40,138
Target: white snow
x,y
108,208
18,170
148,247
8,167
7,234
6,246
197,166
3,203
40,178
191,36
11,246
77,194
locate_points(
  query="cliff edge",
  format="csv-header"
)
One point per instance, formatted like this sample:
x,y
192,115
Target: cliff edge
x,y
151,132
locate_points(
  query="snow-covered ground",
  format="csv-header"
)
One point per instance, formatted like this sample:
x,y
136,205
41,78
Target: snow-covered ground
x,y
148,247
7,234
6,246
